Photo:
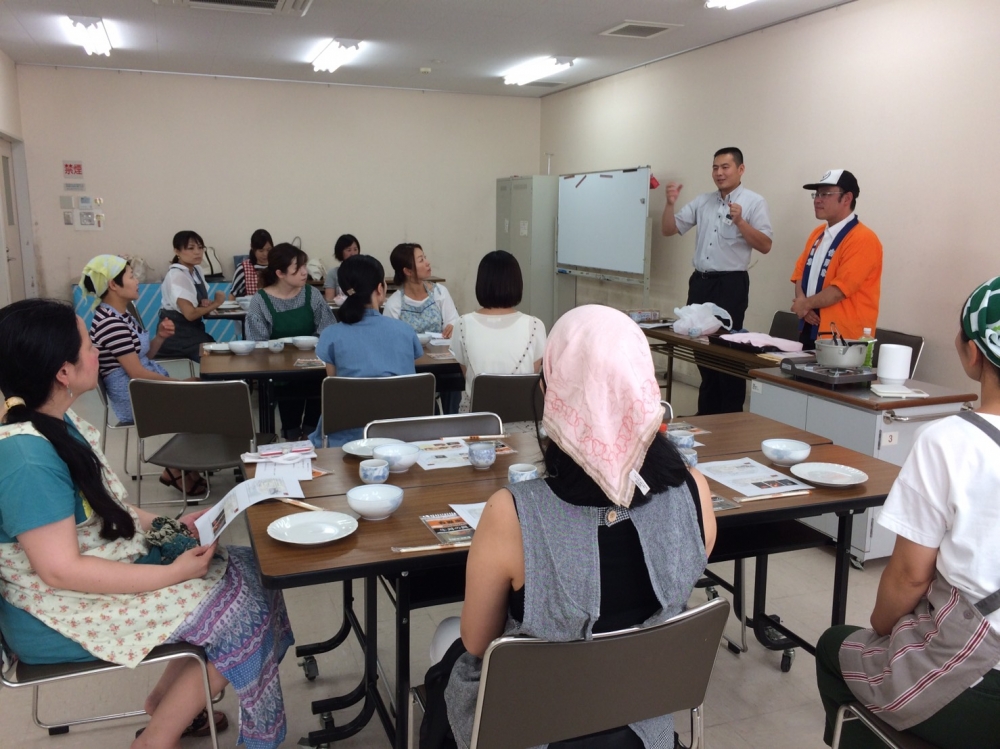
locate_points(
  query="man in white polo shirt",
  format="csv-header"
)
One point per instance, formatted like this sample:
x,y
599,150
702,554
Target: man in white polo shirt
x,y
732,223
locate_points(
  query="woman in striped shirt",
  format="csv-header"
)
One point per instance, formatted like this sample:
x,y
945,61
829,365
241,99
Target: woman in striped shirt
x,y
126,350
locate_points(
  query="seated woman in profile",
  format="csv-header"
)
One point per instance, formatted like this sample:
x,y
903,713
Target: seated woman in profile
x,y
288,306
629,558
498,339
184,298
246,279
347,245
125,349
364,343
424,306
945,512
71,548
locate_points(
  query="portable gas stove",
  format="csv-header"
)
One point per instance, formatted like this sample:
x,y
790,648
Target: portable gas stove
x,y
831,376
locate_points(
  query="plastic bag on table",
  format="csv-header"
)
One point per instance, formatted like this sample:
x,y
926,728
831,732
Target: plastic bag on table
x,y
701,319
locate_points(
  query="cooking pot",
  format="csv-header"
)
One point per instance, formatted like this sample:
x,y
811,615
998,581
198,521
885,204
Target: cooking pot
x,y
848,354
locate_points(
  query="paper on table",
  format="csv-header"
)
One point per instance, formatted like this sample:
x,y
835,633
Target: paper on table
x,y
470,513
300,470
451,453
749,477
250,492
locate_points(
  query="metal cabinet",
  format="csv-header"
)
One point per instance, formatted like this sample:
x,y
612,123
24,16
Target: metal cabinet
x,y
526,228
855,418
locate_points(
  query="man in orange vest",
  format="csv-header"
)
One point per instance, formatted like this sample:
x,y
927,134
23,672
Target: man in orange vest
x,y
838,276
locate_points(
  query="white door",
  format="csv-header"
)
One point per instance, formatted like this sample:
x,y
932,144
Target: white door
x,y
12,273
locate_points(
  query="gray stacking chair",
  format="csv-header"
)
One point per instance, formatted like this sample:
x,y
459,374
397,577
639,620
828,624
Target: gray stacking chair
x,y
535,692
511,397
350,402
886,733
22,675
436,427
211,423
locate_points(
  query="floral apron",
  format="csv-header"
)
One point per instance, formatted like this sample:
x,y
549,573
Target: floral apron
x,y
121,628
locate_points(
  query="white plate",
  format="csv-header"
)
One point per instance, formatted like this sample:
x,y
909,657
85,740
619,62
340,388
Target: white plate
x,y
829,474
217,348
363,448
440,342
310,528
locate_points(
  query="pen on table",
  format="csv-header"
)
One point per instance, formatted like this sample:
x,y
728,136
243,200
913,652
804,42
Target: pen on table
x,y
477,437
431,547
774,496
297,503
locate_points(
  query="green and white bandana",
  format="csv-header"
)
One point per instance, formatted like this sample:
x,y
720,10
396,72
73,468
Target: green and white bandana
x,y
981,319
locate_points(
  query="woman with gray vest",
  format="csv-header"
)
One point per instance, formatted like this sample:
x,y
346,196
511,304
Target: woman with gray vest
x,y
619,520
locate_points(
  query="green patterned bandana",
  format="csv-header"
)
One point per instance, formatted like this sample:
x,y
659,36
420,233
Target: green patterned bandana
x,y
981,319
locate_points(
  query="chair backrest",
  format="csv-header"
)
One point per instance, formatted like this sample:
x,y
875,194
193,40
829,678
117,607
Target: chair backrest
x,y
784,325
174,407
134,311
915,342
535,692
350,402
436,427
512,397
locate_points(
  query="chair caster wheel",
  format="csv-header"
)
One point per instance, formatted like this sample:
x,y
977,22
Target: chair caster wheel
x,y
711,593
58,730
326,718
786,661
310,667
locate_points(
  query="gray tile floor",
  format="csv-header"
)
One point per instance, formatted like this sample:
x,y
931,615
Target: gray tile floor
x,y
750,703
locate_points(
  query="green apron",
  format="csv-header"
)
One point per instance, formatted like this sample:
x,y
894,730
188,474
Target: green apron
x,y
298,321
293,399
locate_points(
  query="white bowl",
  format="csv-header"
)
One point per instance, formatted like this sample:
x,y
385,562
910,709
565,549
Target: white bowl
x,y
375,501
681,437
217,348
785,452
243,301
399,457
305,342
424,338
242,348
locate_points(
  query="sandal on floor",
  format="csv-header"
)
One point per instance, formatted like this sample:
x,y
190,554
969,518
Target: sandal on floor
x,y
199,487
174,481
199,726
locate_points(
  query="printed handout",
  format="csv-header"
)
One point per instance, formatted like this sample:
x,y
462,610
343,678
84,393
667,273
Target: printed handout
x,y
250,492
750,478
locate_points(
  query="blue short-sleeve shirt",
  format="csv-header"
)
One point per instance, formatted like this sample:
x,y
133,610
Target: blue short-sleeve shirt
x,y
375,346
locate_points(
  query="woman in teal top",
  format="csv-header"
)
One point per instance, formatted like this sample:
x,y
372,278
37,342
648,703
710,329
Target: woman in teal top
x,y
288,306
364,343
75,582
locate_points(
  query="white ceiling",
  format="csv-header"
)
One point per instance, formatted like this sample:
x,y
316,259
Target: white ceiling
x,y
468,44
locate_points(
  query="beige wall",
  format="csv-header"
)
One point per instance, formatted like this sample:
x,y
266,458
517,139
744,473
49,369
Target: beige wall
x,y
225,157
10,106
901,92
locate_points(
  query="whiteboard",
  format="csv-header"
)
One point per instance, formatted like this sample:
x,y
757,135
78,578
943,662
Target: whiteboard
x,y
602,220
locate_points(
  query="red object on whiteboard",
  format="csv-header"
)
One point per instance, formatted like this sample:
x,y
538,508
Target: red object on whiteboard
x,y
653,182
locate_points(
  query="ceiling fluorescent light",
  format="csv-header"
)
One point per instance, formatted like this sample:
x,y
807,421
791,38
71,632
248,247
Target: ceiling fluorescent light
x,y
336,53
535,69
90,34
727,4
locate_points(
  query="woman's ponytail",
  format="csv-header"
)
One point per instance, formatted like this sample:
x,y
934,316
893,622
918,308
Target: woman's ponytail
x,y
359,276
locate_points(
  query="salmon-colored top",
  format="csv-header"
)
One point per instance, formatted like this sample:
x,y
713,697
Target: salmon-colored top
x,y
856,269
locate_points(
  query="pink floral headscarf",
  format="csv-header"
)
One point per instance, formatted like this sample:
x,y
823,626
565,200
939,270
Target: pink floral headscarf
x,y
602,401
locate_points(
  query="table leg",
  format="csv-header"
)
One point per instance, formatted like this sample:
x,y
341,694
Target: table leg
x,y
670,374
845,527
403,727
315,648
265,412
368,638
